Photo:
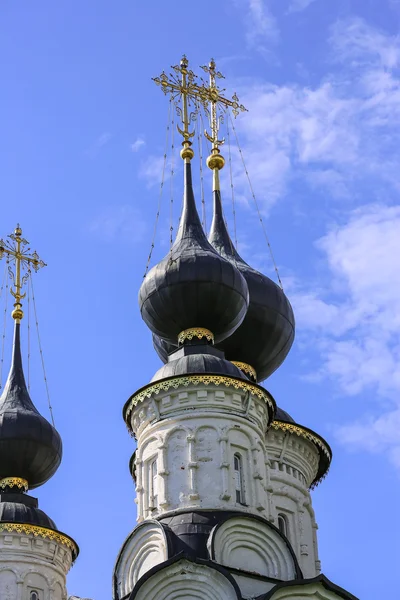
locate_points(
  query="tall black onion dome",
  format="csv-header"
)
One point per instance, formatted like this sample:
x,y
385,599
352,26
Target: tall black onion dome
x,y
266,335
30,448
193,286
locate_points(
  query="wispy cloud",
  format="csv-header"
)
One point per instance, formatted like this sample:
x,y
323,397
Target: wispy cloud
x,y
339,135
354,320
151,170
98,144
299,5
123,223
261,26
137,144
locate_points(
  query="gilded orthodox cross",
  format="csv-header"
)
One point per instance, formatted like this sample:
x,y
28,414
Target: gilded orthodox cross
x,y
183,87
212,95
17,252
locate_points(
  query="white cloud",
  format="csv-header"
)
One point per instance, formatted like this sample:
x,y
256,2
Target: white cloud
x,y
137,144
338,135
354,321
119,222
356,42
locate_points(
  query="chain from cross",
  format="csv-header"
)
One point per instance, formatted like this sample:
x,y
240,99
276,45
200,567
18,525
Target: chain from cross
x,y
17,251
209,96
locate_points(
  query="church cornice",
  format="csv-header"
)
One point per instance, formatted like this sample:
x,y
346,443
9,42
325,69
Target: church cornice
x,y
195,379
42,532
324,449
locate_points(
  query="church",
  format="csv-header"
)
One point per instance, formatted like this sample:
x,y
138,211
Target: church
x,y
223,474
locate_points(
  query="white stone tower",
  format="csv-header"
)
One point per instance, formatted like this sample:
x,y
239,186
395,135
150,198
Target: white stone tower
x,y
34,556
222,476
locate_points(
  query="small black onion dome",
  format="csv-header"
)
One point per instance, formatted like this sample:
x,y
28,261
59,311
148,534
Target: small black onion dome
x,y
193,286
15,512
282,415
30,448
196,364
266,335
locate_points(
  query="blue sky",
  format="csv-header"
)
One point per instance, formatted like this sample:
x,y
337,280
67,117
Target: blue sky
x,y
81,144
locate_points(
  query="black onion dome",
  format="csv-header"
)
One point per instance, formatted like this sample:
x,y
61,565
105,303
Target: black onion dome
x,y
282,415
266,335
197,364
18,512
193,286
30,448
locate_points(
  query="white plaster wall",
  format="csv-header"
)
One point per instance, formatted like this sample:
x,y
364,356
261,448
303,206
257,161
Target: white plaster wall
x,y
193,436
29,563
291,467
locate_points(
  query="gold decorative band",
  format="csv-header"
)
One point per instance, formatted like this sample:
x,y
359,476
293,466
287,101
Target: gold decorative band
x,y
303,433
245,367
11,482
198,332
42,532
319,442
177,382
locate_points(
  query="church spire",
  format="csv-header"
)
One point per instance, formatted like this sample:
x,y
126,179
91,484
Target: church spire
x,y
193,288
30,448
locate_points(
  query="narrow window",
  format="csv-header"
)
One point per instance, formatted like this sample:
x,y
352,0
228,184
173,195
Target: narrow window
x,y
282,524
153,484
237,467
34,596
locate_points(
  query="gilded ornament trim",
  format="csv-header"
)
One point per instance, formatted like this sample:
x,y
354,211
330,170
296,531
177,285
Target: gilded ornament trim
x,y
175,383
11,482
319,442
246,368
42,532
198,332
303,433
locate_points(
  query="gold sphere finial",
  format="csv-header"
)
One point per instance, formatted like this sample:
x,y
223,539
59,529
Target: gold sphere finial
x,y
187,152
18,230
215,161
17,313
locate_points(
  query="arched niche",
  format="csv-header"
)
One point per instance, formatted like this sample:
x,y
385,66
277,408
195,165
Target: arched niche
x,y
183,579
8,584
145,547
36,582
252,545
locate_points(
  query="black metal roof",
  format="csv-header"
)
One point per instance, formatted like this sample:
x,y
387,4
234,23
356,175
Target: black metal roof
x,y
199,358
21,508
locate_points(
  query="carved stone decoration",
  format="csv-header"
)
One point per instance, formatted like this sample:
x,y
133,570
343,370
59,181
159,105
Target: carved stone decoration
x,y
189,580
252,545
144,548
